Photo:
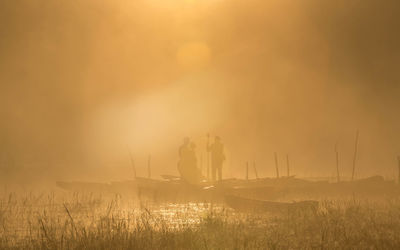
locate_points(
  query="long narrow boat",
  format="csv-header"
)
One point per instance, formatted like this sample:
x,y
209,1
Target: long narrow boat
x,y
253,205
172,189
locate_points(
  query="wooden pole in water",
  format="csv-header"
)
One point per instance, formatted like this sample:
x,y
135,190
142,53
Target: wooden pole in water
x,y
132,162
355,156
255,169
247,171
149,167
208,167
287,165
201,163
208,156
398,162
276,165
337,163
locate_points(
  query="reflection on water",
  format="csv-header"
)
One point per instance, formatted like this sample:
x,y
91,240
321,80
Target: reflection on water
x,y
29,215
185,214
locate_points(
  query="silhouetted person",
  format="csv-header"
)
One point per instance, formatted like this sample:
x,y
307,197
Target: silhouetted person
x,y
217,157
184,148
183,155
187,165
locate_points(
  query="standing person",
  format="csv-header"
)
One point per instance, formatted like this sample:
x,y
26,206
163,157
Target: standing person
x,y
187,165
192,158
184,155
184,148
217,157
194,174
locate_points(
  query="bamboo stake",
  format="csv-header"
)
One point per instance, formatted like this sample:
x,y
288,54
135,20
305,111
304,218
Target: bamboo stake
x,y
355,156
287,165
132,162
247,171
337,163
149,167
398,162
134,168
208,157
255,169
276,165
201,163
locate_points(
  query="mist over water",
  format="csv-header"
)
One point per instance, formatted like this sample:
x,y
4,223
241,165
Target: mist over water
x,y
83,81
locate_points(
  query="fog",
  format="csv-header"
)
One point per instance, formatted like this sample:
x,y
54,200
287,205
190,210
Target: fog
x,y
83,82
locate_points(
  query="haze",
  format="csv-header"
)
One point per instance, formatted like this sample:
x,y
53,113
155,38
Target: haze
x,y
83,81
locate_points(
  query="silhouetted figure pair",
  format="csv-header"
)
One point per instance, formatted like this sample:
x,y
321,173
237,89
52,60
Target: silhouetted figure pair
x,y
187,165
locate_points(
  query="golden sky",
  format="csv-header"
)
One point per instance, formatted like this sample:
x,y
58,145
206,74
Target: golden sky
x,y
80,80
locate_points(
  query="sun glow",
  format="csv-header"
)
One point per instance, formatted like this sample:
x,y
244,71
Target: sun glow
x,y
186,108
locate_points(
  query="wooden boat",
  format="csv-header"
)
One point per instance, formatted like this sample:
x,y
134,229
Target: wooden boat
x,y
253,205
148,189
173,189
79,186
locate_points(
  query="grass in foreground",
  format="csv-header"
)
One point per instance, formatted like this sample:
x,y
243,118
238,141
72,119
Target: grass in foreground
x,y
82,221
